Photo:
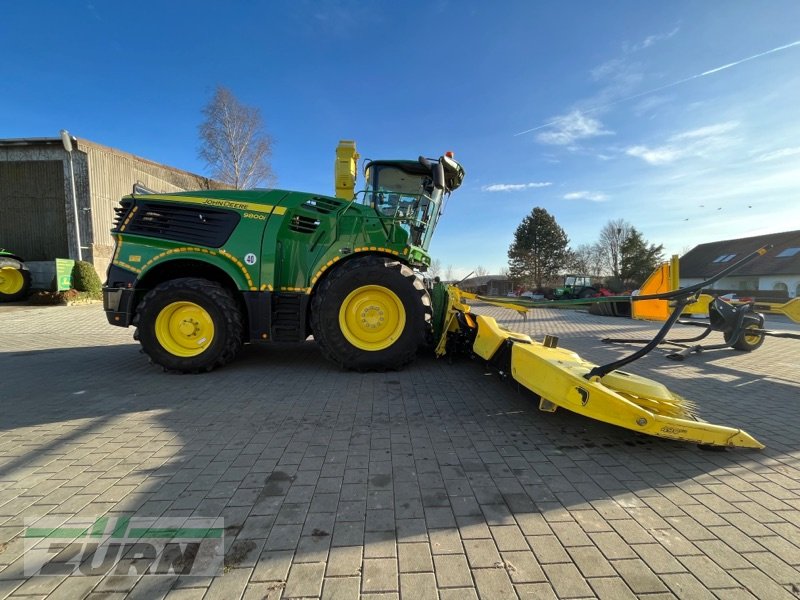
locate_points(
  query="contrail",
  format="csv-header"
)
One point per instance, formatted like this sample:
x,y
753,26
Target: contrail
x,y
669,85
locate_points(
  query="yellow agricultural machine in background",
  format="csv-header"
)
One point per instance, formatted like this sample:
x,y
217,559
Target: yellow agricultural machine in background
x,y
741,323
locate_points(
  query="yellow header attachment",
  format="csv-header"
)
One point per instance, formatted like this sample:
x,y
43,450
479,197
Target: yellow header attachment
x,y
346,169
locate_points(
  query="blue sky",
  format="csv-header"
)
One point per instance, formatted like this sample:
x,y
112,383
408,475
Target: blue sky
x,y
594,111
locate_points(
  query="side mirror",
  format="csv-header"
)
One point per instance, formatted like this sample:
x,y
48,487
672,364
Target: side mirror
x,y
437,170
438,176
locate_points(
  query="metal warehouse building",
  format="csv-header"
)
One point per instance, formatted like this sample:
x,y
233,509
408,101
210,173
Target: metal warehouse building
x,y
36,209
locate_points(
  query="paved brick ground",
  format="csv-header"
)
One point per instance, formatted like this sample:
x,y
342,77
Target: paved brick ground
x,y
438,481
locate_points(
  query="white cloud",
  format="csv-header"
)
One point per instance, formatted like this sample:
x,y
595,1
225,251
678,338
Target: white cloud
x,y
567,129
654,156
706,132
651,40
695,142
585,195
515,187
776,154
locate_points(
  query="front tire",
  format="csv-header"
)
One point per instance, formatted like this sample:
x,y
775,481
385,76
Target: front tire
x,y
189,325
370,314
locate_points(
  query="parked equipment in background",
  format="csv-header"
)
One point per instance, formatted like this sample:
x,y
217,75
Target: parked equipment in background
x,y
15,278
575,287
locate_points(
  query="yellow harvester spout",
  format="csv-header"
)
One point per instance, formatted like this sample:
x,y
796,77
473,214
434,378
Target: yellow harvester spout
x,y
346,169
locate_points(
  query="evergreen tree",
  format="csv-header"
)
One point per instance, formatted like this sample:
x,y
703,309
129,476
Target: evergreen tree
x,y
539,250
638,259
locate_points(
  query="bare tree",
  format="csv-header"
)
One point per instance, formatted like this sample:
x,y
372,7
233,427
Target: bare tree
x,y
449,273
587,259
234,143
480,271
435,269
612,236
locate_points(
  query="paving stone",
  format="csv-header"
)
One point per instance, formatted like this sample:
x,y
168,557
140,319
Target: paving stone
x,y
273,566
305,579
415,557
638,576
482,553
452,570
494,584
445,541
341,588
685,585
229,586
591,562
411,530
659,559
348,533
343,561
380,544
508,537
473,527
567,580
611,588
379,575
523,567
547,549
418,586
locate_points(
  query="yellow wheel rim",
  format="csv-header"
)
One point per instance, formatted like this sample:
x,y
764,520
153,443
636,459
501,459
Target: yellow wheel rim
x,y
11,280
372,318
750,337
184,329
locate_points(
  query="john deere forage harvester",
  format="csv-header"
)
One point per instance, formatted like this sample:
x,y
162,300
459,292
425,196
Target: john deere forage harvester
x,y
201,273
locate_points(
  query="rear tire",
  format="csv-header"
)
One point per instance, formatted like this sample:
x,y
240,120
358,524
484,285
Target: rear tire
x,y
370,314
15,281
189,325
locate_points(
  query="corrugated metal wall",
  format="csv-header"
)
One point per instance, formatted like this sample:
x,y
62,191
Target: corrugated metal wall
x,y
32,209
112,175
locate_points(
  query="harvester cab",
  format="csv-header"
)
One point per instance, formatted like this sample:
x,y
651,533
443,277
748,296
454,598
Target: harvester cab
x,y
411,193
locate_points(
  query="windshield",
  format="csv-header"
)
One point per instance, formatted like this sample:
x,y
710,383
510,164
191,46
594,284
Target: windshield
x,y
408,199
